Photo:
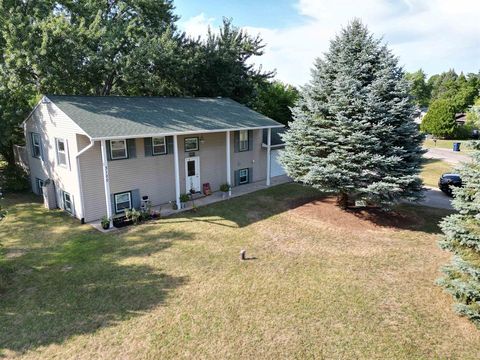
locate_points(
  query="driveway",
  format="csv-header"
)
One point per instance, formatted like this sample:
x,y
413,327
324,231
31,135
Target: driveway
x,y
435,198
447,155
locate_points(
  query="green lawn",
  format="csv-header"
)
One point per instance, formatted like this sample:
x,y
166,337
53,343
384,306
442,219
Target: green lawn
x,y
433,169
321,283
447,144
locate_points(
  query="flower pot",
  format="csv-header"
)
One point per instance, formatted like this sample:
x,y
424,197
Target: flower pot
x,y
182,205
106,226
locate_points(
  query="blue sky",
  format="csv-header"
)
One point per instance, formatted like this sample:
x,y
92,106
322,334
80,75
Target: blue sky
x,y
435,35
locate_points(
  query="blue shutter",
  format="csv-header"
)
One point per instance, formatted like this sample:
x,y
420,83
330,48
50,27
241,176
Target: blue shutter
x,y
250,175
132,153
148,146
112,199
136,201
236,141
42,156
31,144
236,176
250,140
109,153
169,140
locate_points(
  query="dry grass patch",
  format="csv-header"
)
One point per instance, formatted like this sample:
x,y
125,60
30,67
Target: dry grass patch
x,y
324,284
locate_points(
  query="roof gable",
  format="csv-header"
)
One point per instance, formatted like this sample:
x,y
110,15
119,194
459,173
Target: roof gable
x,y
126,116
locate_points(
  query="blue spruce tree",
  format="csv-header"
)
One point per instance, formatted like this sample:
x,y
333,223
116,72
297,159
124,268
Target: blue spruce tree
x,y
462,237
353,132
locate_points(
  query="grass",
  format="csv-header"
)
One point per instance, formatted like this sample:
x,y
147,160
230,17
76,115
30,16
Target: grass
x,y
320,283
446,144
433,169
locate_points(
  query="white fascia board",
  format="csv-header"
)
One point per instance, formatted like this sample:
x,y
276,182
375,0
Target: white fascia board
x,y
182,133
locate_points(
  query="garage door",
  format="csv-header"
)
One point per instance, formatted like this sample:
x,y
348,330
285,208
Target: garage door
x,y
276,168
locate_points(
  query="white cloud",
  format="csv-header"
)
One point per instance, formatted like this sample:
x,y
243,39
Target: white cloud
x,y
197,25
431,34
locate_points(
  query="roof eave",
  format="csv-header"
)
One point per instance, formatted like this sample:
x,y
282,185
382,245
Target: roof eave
x,y
155,134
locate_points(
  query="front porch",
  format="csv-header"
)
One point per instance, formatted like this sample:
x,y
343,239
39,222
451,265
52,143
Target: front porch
x,y
166,209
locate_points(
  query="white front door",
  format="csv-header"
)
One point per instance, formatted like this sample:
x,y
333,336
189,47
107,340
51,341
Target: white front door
x,y
192,173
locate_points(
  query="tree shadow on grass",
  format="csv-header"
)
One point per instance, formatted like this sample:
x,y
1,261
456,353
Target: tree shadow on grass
x,y
67,284
250,208
404,217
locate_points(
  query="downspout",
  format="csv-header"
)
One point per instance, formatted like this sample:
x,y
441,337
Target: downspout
x,y
79,175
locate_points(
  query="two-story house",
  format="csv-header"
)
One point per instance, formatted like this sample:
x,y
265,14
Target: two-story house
x,y
103,154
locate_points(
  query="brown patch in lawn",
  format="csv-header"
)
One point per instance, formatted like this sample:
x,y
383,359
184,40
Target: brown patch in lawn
x,y
357,219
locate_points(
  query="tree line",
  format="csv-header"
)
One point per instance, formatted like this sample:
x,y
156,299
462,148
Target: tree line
x,y
445,95
123,48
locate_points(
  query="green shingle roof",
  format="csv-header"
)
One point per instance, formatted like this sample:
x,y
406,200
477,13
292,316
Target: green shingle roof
x,y
131,116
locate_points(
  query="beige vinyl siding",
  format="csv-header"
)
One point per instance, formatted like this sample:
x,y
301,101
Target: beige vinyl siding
x,y
50,122
255,158
154,175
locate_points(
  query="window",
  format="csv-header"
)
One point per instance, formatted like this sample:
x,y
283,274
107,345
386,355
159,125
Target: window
x,y
36,146
191,144
39,183
123,201
118,149
243,176
243,140
61,152
159,146
67,202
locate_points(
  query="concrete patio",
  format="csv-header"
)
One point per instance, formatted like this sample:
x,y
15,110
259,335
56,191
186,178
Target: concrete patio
x,y
201,200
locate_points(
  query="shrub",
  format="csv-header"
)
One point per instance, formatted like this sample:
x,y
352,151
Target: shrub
x,y
463,132
440,119
184,198
14,179
134,215
225,187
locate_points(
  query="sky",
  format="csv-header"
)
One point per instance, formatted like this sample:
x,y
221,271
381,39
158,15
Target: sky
x,y
435,35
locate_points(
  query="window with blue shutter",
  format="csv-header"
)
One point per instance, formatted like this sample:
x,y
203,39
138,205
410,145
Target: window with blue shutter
x,y
121,149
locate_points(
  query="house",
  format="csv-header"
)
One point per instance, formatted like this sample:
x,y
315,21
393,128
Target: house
x,y
102,155
460,118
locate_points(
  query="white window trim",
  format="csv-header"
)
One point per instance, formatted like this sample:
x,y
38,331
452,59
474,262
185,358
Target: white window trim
x,y
129,201
126,149
240,176
164,145
64,201
39,183
34,134
65,151
189,138
240,140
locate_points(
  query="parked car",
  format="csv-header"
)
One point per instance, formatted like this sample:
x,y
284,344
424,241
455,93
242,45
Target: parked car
x,y
447,181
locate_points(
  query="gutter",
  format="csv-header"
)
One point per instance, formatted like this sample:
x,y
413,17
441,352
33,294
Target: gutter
x,y
193,132
79,175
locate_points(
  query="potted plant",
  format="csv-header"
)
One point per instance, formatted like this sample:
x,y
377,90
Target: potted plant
x,y
225,188
183,199
133,215
173,203
105,222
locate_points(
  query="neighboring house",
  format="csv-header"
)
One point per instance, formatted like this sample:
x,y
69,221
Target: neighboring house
x,y
419,114
461,118
104,154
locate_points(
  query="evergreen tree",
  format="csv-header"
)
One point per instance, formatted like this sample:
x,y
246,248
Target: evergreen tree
x,y
353,134
462,237
440,119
